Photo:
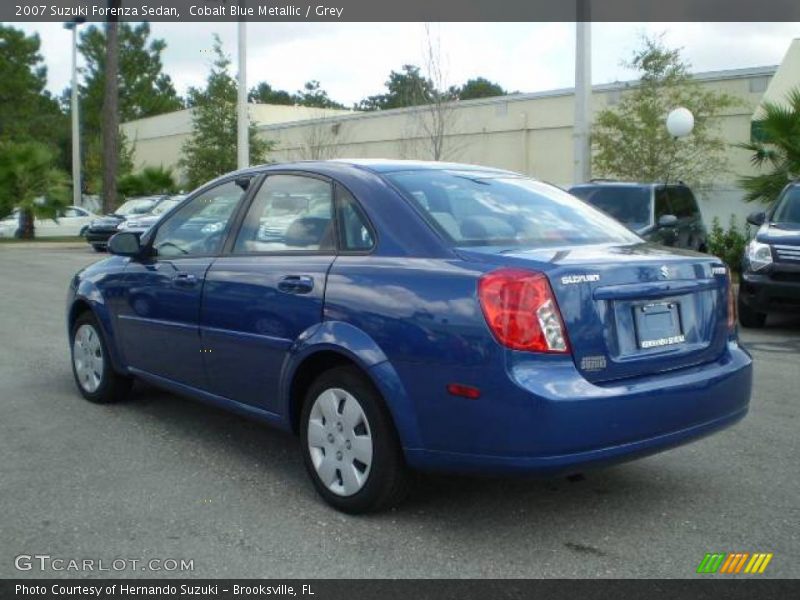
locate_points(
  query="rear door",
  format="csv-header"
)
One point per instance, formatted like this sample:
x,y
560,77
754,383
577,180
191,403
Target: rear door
x,y
159,318
269,288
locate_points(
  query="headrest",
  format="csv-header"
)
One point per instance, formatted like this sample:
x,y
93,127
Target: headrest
x,y
306,231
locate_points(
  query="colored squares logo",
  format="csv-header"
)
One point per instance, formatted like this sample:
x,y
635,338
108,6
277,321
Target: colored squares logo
x,y
735,562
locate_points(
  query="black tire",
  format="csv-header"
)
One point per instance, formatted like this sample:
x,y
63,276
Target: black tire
x,y
98,248
112,387
388,479
749,318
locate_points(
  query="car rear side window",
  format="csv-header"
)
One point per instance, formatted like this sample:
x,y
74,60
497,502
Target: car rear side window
x,y
627,204
290,213
483,209
682,202
355,234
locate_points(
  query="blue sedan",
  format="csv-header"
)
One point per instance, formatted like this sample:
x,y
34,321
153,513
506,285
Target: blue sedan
x,y
407,315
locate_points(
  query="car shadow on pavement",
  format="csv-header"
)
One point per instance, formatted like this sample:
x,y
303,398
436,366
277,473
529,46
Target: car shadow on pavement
x,y
239,443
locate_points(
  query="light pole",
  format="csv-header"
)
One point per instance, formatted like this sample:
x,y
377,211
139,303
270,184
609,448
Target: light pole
x,y
582,169
680,123
242,121
76,128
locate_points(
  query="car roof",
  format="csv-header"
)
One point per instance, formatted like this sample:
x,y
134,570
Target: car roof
x,y
376,165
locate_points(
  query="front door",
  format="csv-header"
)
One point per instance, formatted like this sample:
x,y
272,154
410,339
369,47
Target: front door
x,y
160,314
259,298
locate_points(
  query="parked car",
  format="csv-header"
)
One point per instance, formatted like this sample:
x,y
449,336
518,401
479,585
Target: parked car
x,y
663,214
771,263
144,222
101,229
433,316
70,221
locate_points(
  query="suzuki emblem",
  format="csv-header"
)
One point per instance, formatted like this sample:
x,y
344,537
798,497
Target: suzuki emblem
x,y
664,270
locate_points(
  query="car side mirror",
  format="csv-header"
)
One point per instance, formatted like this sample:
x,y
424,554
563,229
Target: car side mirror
x,y
757,218
125,243
667,221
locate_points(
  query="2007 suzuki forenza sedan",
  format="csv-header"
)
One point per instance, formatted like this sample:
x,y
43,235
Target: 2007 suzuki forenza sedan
x,y
405,315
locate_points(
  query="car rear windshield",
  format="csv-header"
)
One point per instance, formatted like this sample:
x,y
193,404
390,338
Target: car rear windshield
x,y
629,205
788,208
484,209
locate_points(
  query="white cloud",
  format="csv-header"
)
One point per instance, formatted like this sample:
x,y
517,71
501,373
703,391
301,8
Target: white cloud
x,y
353,60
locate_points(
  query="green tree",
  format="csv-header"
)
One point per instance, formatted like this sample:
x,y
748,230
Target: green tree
x,y
27,110
479,87
93,161
148,181
30,182
631,141
264,93
314,96
210,151
144,90
775,148
405,88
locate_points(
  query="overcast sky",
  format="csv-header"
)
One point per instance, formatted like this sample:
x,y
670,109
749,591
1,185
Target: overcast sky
x,y
353,60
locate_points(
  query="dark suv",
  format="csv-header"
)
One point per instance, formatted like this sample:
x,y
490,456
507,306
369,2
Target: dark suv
x,y
663,214
771,263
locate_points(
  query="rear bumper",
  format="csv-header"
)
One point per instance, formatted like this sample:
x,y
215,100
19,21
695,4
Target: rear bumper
x,y
763,292
565,464
557,423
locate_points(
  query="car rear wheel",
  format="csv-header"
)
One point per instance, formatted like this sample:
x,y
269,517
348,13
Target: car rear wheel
x,y
98,247
748,317
94,375
350,447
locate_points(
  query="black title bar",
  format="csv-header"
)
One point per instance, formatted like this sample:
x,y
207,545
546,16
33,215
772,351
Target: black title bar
x,y
403,10
706,587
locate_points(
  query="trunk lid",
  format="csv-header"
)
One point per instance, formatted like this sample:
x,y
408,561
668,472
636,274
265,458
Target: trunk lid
x,y
630,310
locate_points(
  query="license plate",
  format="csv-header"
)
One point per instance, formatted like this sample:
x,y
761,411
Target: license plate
x,y
658,325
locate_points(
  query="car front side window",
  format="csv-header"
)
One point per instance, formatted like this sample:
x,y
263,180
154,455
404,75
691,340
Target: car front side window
x,y
199,227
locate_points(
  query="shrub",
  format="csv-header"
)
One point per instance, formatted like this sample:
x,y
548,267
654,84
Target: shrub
x,y
728,244
149,181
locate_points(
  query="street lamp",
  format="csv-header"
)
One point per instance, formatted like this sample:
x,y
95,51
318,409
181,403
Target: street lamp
x,y
76,133
680,122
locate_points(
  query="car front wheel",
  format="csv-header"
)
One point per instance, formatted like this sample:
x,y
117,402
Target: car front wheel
x,y
96,378
350,447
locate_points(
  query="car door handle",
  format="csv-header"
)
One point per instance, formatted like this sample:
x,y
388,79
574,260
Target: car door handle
x,y
296,284
184,280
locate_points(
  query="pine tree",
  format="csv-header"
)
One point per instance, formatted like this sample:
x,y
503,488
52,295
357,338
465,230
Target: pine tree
x,y
211,149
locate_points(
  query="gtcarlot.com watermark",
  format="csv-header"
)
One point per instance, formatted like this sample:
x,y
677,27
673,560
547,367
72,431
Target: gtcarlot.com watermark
x,y
45,562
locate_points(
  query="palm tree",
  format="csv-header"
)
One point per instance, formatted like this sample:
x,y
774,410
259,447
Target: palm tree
x,y
777,149
30,182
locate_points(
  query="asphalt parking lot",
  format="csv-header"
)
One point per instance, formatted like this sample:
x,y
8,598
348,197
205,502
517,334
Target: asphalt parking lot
x,y
163,477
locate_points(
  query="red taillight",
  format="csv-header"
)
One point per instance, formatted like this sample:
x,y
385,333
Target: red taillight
x,y
731,303
521,311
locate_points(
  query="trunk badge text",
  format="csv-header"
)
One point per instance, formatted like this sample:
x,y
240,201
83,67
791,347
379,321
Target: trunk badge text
x,y
583,278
